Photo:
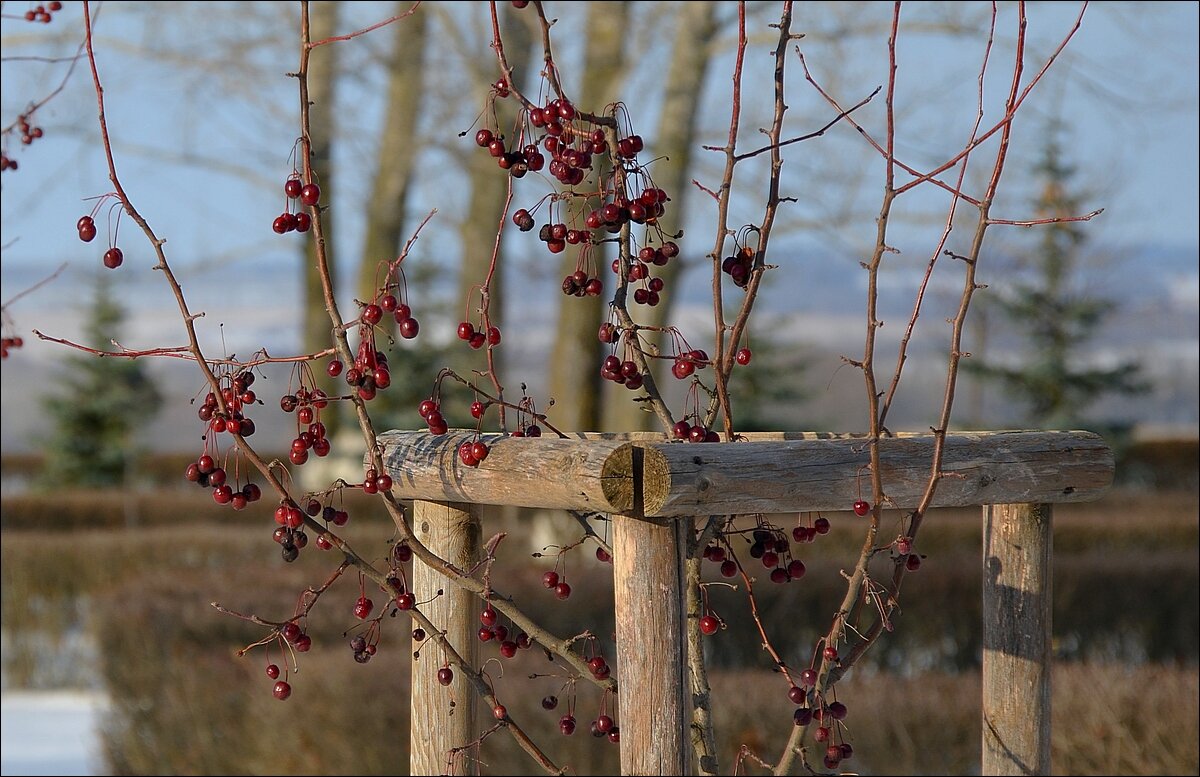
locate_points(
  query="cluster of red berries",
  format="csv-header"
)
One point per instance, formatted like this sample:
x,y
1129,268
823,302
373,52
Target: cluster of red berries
x,y
205,473
738,266
307,404
560,587
517,162
370,372
646,208
308,194
431,411
373,483
804,534
830,728
771,547
687,362
86,226
623,373
491,630
42,12
29,131
237,396
290,532
470,453
694,432
363,649
555,235
9,342
372,314
477,338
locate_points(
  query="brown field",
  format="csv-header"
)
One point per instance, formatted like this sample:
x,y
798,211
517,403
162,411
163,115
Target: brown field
x,y
137,573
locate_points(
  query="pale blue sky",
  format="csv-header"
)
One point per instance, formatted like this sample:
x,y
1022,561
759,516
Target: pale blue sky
x,y
203,147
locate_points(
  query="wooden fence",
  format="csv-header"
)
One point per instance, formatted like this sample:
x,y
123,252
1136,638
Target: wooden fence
x,y
647,483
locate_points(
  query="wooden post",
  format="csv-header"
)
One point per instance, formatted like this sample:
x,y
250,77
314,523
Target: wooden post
x,y
443,717
648,579
1017,548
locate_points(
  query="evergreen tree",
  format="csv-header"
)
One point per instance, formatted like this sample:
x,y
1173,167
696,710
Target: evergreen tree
x,y
103,403
1055,318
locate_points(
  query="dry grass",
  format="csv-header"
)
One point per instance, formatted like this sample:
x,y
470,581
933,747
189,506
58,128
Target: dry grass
x,y
185,705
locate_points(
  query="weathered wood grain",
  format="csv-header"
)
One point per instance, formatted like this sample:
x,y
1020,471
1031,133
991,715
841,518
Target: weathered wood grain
x,y
651,646
768,473
443,717
1017,550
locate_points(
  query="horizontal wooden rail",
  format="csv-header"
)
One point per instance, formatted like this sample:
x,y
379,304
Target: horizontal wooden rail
x,y
775,473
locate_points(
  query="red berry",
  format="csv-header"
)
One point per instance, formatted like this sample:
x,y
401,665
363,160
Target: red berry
x,y
445,675
550,579
549,702
563,591
862,507
409,327
499,712
113,258
87,231
566,724
709,624
273,671
282,690
743,356
913,562
821,525
292,188
310,194
362,608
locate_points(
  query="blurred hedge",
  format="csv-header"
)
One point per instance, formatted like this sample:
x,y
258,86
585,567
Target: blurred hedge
x,y
184,704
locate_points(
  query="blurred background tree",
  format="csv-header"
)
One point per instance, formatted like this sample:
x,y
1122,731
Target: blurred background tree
x,y
102,405
1055,316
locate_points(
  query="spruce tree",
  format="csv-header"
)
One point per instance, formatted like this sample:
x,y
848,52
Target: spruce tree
x,y
102,404
1055,318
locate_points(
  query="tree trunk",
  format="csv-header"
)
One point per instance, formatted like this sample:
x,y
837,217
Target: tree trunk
x,y
489,186
672,143
385,209
322,73
574,370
